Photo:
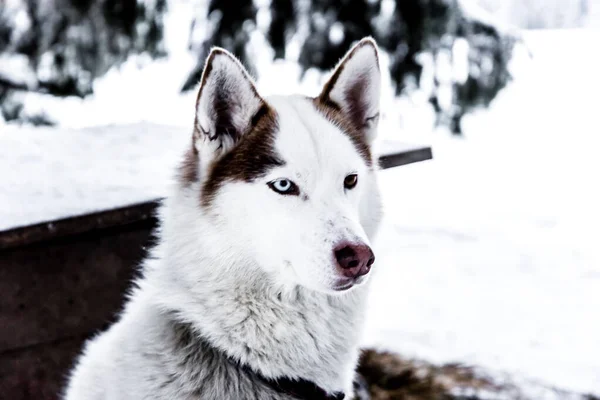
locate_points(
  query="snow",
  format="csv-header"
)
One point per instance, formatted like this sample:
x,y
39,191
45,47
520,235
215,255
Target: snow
x,y
489,254
552,14
17,67
50,174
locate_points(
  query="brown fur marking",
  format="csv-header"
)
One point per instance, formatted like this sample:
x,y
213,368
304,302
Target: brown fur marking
x,y
252,154
390,376
250,159
188,169
332,112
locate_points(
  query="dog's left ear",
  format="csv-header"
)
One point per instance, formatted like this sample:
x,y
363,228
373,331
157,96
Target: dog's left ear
x,y
354,87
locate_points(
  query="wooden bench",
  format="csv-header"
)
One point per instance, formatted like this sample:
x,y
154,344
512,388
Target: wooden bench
x,y
64,278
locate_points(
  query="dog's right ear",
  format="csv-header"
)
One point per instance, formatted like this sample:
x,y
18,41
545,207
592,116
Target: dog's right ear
x,y
354,88
226,104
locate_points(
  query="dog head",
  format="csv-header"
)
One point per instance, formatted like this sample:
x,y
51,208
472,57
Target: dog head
x,y
287,183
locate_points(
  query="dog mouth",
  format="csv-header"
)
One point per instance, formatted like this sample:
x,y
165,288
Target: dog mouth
x,y
346,284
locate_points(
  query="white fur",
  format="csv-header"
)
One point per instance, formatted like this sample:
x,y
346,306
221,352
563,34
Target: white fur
x,y
253,273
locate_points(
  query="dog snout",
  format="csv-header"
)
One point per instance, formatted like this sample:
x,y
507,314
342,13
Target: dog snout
x,y
353,259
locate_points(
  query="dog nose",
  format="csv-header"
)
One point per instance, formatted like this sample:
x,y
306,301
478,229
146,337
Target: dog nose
x,y
354,259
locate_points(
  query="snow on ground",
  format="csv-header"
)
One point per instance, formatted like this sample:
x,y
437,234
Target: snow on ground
x,y
489,255
82,171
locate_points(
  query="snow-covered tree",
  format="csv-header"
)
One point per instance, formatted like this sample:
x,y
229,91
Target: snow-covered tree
x,y
283,23
407,31
415,27
488,54
334,25
61,46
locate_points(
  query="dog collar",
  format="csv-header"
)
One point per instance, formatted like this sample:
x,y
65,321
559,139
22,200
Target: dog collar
x,y
301,389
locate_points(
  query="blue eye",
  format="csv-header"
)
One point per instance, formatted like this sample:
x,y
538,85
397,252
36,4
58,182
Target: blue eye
x,y
284,186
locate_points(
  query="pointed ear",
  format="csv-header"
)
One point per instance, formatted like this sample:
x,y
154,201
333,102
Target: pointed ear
x,y
226,105
354,87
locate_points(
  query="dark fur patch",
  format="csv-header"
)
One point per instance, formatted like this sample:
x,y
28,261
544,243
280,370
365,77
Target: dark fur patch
x,y
391,376
223,115
250,159
188,169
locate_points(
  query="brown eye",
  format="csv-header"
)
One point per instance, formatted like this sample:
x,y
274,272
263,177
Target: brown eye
x,y
350,181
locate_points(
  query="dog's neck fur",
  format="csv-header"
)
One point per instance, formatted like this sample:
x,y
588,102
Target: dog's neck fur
x,y
277,331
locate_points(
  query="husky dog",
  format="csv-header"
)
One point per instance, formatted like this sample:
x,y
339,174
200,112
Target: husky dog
x,y
257,286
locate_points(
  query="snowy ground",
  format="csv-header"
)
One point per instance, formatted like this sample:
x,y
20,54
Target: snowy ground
x,y
50,173
489,254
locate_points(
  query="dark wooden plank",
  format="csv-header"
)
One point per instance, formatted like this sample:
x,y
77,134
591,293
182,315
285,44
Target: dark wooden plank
x,y
38,372
78,224
390,157
393,154
68,286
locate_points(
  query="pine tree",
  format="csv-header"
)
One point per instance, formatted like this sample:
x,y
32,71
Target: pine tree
x,y
489,56
433,26
333,27
69,43
416,26
283,23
